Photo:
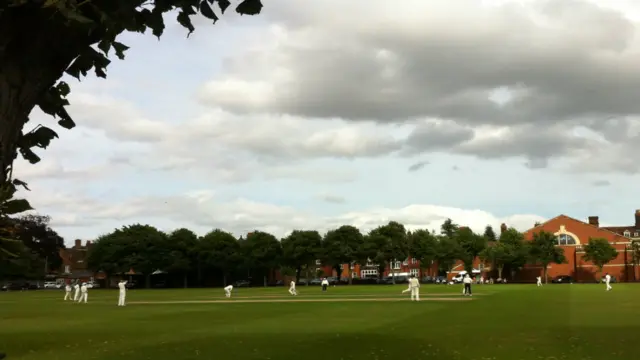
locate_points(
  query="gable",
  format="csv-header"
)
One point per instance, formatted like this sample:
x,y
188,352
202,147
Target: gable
x,y
580,230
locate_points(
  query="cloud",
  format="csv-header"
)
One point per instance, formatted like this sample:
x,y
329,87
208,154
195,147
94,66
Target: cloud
x,y
333,199
601,183
418,166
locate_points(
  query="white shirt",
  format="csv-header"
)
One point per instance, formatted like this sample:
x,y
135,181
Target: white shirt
x,y
414,283
538,278
293,285
607,278
325,282
67,288
76,287
83,289
229,288
122,286
467,280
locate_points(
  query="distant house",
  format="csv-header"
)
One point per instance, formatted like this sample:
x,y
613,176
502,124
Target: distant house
x,y
74,263
628,231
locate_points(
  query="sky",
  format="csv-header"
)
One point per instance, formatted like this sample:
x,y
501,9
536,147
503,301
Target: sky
x,y
316,114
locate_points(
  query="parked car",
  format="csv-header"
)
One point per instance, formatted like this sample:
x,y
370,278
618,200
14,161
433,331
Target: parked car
x,y
562,279
315,281
130,284
242,283
50,285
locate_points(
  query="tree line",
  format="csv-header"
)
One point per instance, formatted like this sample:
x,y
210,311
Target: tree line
x,y
220,255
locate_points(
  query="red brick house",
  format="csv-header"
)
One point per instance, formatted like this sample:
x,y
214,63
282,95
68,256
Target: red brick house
x,y
628,231
74,263
572,234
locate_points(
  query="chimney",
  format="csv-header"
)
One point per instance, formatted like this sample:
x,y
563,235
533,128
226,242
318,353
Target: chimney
x,y
88,243
78,243
637,219
593,220
503,228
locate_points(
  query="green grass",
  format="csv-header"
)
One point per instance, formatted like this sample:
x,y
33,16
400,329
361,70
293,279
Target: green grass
x,y
502,322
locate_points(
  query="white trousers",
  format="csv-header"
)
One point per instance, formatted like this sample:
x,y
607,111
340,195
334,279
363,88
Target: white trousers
x,y
67,295
122,298
227,293
415,294
539,283
76,296
609,287
406,290
293,291
83,297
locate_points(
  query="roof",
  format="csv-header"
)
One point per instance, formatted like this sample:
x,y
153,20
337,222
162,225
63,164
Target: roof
x,y
597,228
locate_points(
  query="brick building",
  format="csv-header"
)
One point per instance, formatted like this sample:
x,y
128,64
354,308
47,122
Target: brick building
x,y
74,263
628,231
572,235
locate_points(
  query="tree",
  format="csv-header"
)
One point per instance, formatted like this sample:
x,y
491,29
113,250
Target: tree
x,y
489,234
448,251
342,246
301,248
543,250
36,235
264,251
517,249
376,248
448,228
219,250
147,247
497,255
40,40
599,252
423,247
471,245
9,206
107,254
635,255
182,246
397,245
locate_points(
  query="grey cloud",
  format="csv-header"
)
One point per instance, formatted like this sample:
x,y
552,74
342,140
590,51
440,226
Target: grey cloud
x,y
601,183
430,136
334,199
418,166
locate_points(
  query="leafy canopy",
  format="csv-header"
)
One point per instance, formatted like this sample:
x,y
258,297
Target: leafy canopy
x,y
599,252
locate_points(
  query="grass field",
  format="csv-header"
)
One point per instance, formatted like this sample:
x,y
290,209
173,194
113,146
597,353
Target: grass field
x,y
358,322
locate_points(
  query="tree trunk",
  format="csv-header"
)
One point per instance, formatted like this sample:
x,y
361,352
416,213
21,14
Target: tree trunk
x,y
264,280
393,272
544,272
500,268
224,278
298,271
148,281
184,280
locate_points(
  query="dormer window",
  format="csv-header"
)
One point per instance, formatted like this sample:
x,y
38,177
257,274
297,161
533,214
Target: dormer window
x,y
627,233
636,234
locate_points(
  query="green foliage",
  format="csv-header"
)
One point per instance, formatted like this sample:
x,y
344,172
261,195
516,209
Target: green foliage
x,y
182,252
301,248
220,250
543,250
497,255
471,245
342,245
264,250
34,232
489,234
517,248
448,228
423,247
635,251
78,37
448,252
599,252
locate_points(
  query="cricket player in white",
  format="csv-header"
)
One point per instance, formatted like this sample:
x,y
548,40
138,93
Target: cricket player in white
x,y
76,289
67,292
607,280
83,293
292,288
467,285
122,285
539,280
325,284
414,286
408,287
227,291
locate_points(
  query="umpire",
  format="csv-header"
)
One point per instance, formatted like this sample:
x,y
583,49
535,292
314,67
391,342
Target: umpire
x,y
467,285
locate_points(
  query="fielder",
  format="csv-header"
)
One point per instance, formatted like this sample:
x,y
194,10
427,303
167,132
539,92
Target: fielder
x,y
414,286
408,288
539,280
607,280
325,284
83,293
122,285
67,292
292,288
76,294
227,291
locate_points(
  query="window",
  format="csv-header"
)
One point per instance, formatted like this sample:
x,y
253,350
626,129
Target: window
x,y
352,266
368,273
396,265
354,275
405,262
564,239
414,261
636,234
627,233
67,269
318,262
415,272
